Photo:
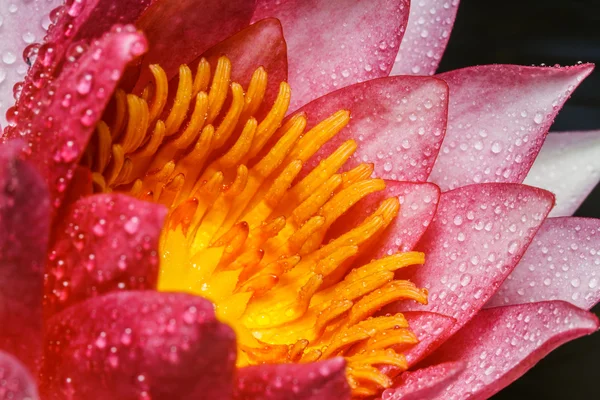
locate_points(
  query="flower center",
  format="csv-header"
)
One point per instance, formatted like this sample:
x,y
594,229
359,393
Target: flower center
x,y
249,232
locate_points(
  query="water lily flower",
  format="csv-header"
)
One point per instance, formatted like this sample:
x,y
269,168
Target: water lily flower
x,y
276,200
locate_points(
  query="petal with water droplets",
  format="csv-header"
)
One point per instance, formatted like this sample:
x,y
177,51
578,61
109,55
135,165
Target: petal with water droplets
x,y
17,382
429,26
424,383
501,344
333,44
107,242
477,238
139,344
568,165
398,123
431,329
498,118
24,230
562,263
313,381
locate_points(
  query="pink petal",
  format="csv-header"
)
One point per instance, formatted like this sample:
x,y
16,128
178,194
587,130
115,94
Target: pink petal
x,y
398,123
260,45
478,236
498,118
24,230
17,382
333,44
179,31
501,344
424,383
418,203
316,381
431,329
429,26
107,242
139,345
568,165
562,263
22,24
58,131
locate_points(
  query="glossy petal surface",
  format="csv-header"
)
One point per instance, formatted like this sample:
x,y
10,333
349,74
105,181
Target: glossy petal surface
x,y
107,242
477,238
568,165
24,230
397,122
144,344
333,44
429,26
501,344
562,263
431,329
498,118
424,383
313,381
17,382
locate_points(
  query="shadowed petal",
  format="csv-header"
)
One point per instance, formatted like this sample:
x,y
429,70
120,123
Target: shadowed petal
x,y
398,123
314,381
58,130
568,165
17,382
477,238
132,345
562,263
498,118
431,329
333,44
24,230
107,242
429,26
424,383
501,344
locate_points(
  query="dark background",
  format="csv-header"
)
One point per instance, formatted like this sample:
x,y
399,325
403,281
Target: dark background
x,y
530,32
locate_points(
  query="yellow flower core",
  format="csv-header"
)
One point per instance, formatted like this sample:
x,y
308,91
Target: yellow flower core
x,y
246,233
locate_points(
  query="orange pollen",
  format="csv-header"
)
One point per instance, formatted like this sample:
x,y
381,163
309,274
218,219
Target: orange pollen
x,y
248,228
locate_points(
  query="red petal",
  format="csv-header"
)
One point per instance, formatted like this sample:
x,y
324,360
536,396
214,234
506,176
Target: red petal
x,y
261,44
476,239
316,381
139,345
333,44
418,203
17,382
429,26
397,122
59,129
560,264
107,242
498,118
424,383
24,229
431,329
179,31
501,344
568,166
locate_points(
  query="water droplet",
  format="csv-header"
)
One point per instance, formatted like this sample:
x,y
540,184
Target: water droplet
x,y
84,84
496,147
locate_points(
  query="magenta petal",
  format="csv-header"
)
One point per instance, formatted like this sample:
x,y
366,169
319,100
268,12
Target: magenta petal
x,y
429,26
58,130
24,230
568,165
398,123
20,29
260,45
424,383
179,31
431,329
478,236
315,381
498,118
107,242
501,344
562,263
17,382
139,345
333,44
